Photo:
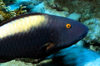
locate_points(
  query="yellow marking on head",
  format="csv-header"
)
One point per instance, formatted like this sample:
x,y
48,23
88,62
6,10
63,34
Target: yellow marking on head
x,y
22,25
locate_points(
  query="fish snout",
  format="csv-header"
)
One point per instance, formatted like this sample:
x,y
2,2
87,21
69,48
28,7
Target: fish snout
x,y
84,31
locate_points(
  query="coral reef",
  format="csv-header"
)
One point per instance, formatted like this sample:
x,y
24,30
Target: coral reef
x,y
16,63
86,8
41,8
94,33
6,14
85,11
74,16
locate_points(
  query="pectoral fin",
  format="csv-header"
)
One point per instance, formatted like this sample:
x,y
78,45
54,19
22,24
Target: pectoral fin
x,y
50,45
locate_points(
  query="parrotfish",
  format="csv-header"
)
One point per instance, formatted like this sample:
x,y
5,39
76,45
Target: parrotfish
x,y
38,35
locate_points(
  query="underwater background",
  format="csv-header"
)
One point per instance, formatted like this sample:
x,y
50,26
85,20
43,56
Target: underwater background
x,y
86,52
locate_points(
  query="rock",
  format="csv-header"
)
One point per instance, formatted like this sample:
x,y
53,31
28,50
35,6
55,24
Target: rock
x,y
41,8
74,16
1,18
16,63
80,43
94,30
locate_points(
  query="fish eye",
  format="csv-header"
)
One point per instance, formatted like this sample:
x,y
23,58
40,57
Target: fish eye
x,y
68,26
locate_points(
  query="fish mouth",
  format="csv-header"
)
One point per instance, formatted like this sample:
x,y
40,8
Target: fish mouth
x,y
83,35
79,38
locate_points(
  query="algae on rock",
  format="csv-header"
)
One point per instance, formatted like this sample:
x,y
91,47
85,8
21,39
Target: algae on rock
x,y
7,14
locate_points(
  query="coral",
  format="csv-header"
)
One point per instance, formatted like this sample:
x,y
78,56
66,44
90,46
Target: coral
x,y
1,18
14,4
7,2
75,16
16,63
93,37
7,14
20,10
21,63
88,9
42,8
4,11
93,25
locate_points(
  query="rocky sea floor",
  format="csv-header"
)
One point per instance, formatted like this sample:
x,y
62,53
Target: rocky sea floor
x,y
84,53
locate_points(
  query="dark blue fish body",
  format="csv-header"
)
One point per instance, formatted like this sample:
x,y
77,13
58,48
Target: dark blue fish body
x,y
37,36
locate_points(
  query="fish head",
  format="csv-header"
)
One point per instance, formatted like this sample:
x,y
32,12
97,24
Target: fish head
x,y
69,32
65,32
